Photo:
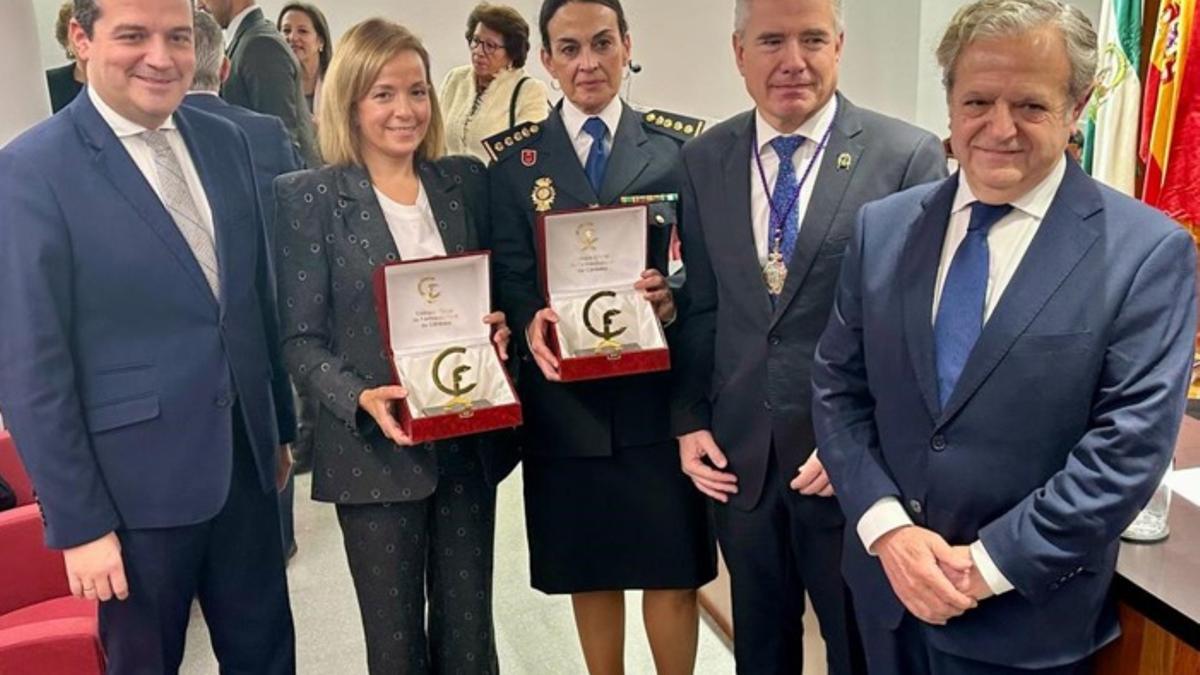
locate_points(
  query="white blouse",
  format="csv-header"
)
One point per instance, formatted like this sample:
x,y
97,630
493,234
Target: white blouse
x,y
412,226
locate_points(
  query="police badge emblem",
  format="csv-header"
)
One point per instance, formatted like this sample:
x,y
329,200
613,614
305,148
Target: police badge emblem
x,y
543,194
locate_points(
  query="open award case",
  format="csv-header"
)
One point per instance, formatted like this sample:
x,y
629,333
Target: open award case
x,y
431,314
589,260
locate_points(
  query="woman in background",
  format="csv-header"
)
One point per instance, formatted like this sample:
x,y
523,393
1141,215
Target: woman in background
x,y
493,92
65,82
417,520
307,33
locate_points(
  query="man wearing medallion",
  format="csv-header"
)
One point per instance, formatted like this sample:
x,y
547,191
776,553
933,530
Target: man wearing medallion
x,y
762,244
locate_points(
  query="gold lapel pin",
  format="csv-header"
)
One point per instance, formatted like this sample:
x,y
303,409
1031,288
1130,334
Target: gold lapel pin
x,y
843,161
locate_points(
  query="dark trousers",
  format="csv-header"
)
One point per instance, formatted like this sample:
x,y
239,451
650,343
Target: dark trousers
x,y
906,651
232,563
786,545
442,545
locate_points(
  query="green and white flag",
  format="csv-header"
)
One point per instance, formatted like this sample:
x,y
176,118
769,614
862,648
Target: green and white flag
x,y
1112,118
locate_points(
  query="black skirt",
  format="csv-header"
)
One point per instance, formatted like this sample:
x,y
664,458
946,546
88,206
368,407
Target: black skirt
x,y
629,521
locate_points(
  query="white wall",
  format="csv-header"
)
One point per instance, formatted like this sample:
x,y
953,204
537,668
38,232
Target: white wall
x,y
684,48
23,82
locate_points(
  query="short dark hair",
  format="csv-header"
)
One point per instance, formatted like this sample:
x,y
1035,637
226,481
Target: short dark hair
x,y
551,7
506,21
86,13
319,24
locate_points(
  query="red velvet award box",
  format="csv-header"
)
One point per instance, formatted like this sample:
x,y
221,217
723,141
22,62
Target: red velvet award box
x,y
431,314
589,260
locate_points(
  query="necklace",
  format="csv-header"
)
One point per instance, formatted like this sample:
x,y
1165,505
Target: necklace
x,y
775,271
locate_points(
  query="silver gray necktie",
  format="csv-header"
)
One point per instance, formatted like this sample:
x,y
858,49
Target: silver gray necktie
x,y
181,204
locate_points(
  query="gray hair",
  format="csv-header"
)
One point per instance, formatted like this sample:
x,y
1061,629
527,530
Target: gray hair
x,y
210,52
741,14
86,13
986,19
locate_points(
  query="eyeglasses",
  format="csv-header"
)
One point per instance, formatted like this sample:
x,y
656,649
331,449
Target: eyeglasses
x,y
489,48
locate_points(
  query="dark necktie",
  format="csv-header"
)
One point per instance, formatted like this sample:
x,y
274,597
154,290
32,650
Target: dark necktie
x,y
597,158
785,226
964,293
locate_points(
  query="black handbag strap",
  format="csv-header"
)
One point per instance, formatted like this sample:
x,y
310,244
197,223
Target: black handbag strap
x,y
512,105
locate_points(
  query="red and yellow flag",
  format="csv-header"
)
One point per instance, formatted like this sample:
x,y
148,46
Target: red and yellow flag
x,y
1170,143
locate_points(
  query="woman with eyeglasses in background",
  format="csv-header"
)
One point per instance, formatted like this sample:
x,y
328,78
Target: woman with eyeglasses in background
x,y
493,92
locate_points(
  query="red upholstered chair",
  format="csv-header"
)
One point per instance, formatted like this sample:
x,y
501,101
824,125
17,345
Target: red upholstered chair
x,y
43,630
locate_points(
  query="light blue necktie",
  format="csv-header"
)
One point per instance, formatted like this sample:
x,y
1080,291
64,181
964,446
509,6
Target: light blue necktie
x,y
784,197
964,293
597,158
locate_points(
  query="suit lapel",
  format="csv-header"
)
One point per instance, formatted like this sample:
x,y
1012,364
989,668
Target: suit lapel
x,y
918,274
828,190
736,221
446,202
1061,242
125,177
560,152
255,16
629,159
355,191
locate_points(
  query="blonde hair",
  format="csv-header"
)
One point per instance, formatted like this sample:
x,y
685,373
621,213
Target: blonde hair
x,y
360,56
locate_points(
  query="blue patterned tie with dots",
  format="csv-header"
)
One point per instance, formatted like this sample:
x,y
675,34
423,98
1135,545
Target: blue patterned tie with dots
x,y
964,293
785,227
597,158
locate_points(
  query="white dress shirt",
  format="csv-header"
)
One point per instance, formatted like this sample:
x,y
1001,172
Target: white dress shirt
x,y
129,133
236,22
412,226
1008,240
573,119
813,130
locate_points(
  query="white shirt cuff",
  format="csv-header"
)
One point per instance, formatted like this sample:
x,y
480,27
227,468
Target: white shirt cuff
x,y
884,516
988,570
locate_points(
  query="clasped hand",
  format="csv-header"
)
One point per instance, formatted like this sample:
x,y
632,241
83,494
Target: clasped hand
x,y
934,580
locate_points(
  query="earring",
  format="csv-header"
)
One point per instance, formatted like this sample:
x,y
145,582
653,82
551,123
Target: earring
x,y
555,85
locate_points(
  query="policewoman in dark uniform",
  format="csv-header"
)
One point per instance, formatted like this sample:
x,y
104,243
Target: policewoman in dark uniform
x,y
606,506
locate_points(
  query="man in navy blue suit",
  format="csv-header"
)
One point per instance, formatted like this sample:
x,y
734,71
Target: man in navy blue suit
x,y
272,154
1002,379
271,149
139,368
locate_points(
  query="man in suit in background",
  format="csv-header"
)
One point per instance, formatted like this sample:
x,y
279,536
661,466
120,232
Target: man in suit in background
x,y
142,382
271,149
265,76
1004,372
271,153
762,246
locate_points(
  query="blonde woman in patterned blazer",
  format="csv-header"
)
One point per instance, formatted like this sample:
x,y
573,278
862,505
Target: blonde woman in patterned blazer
x,y
413,517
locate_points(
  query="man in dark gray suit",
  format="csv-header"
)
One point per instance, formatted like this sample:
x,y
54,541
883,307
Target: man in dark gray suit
x,y
265,76
769,201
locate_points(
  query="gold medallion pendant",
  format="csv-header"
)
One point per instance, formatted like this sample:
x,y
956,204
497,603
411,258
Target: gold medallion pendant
x,y
543,194
775,273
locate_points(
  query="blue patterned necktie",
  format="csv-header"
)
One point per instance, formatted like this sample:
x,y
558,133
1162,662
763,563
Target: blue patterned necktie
x,y
785,226
597,158
964,294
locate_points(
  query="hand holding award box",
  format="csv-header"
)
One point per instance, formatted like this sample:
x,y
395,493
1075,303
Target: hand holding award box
x,y
431,313
589,261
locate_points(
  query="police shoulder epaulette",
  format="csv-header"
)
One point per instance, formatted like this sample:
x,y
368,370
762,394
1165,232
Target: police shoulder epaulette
x,y
672,124
506,142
